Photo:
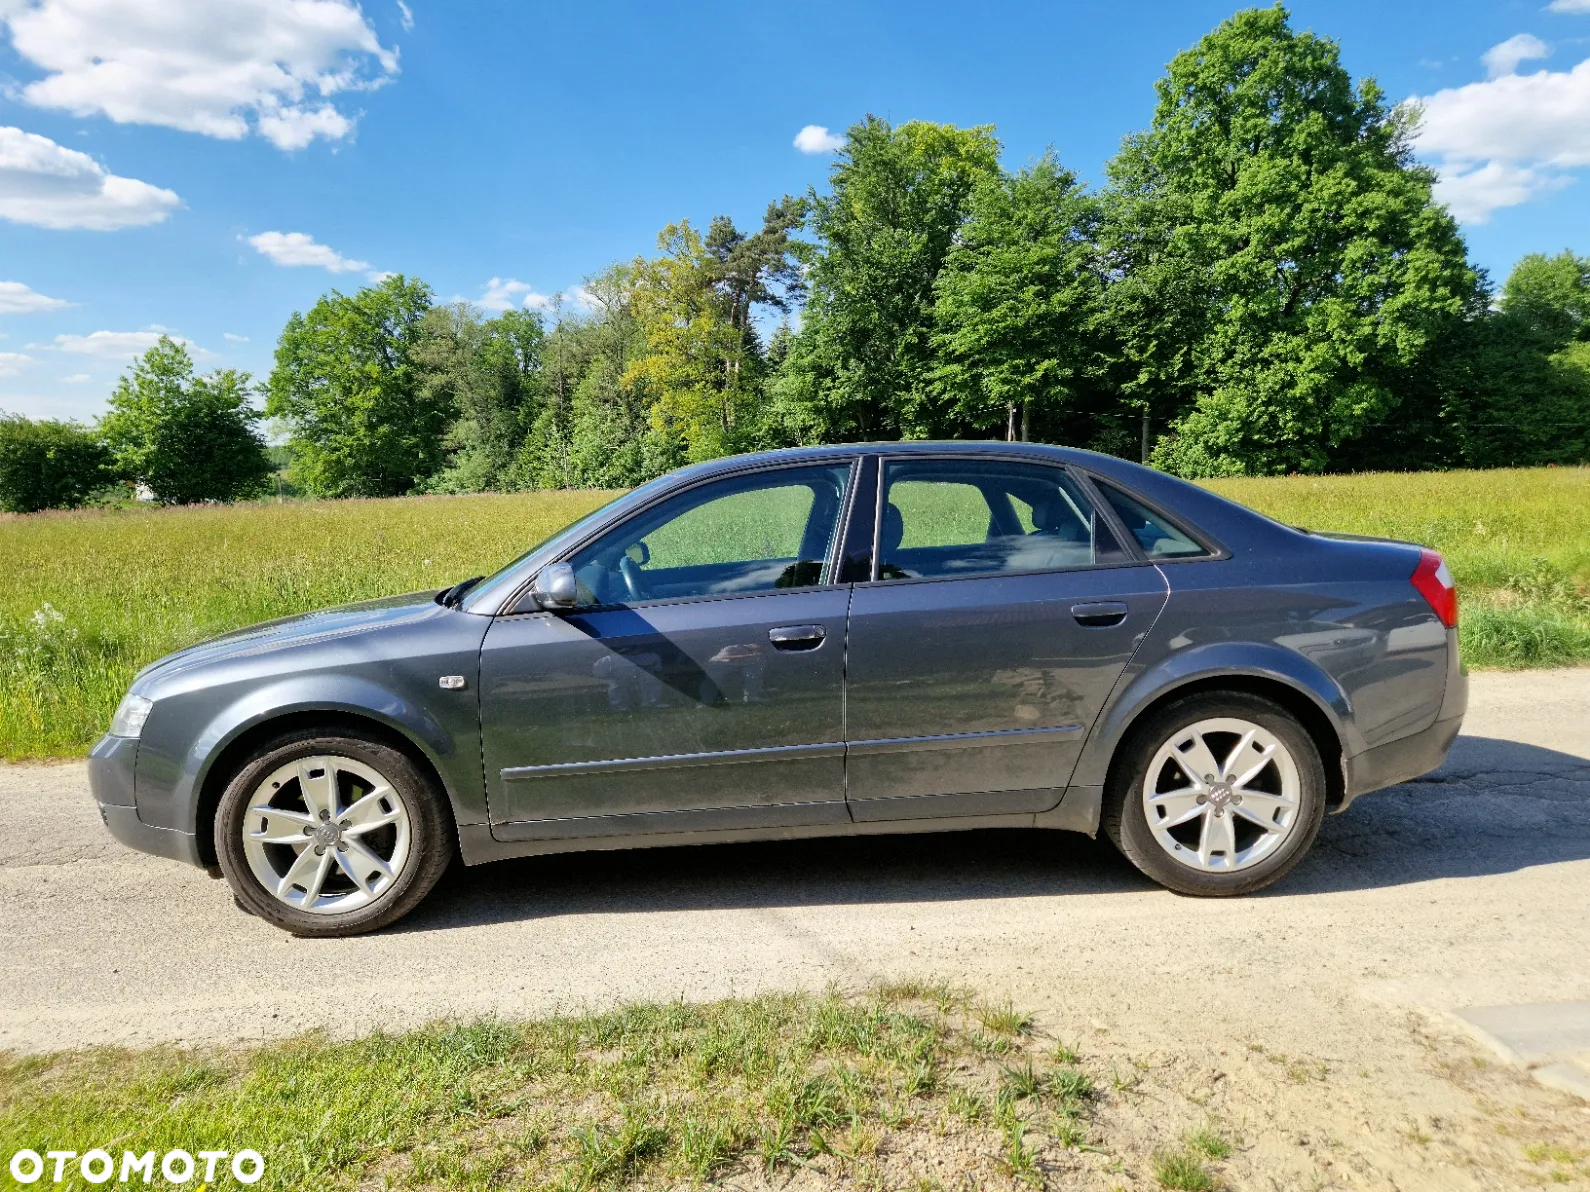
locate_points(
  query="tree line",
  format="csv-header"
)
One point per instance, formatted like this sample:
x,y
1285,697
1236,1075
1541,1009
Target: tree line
x,y
1263,284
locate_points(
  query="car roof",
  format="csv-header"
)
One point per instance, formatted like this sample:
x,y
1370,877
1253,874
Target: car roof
x,y
1043,452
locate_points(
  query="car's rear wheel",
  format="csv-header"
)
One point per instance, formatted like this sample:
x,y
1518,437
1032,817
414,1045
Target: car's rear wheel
x,y
1217,794
331,834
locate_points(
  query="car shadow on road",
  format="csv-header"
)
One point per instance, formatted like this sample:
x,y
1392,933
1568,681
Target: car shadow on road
x,y
1496,806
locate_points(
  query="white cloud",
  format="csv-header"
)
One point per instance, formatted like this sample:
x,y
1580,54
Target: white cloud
x,y
237,339
76,379
18,299
300,248
1509,140
195,65
582,298
51,186
1503,59
814,138
1568,6
122,345
11,363
406,15
503,293
1473,195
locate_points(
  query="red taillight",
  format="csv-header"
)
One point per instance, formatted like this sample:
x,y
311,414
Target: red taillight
x,y
1434,583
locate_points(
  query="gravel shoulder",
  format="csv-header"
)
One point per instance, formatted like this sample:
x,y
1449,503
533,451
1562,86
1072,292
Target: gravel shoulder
x,y
1312,1020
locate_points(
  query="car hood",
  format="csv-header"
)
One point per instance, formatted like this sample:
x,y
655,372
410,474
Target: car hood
x,y
300,629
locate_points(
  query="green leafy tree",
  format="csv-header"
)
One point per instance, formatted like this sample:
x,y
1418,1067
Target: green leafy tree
x,y
759,269
1549,298
594,429
1018,305
1517,379
1308,266
350,392
693,363
188,438
701,363
490,371
862,364
47,464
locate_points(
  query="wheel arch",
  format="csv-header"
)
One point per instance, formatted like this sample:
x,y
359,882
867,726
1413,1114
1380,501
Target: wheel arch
x,y
1319,726
226,762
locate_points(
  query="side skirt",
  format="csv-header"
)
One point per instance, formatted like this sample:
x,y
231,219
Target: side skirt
x,y
1078,811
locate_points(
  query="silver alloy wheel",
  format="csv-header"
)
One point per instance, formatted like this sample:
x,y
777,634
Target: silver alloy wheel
x,y
1222,795
326,835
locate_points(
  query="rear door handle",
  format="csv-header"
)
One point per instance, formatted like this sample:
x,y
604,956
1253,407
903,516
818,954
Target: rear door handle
x,y
1099,613
797,637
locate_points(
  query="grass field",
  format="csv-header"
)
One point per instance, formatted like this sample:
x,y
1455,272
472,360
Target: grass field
x,y
88,598
852,1090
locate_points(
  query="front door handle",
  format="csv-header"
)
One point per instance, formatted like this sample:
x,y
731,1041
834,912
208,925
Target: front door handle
x,y
797,637
1099,613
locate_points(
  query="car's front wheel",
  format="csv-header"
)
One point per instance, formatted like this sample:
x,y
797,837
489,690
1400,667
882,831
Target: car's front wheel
x,y
331,834
1216,794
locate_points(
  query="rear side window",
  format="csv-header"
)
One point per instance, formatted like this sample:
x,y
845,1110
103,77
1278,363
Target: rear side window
x,y
944,518
1157,538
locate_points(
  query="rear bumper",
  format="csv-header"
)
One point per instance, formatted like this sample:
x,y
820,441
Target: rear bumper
x,y
110,777
1398,761
1423,751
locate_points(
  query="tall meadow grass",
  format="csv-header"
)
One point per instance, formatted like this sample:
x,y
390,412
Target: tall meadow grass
x,y
87,598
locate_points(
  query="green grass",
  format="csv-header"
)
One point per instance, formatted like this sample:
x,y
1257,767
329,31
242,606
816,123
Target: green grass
x,y
647,1095
1209,1143
1517,542
1183,1171
88,598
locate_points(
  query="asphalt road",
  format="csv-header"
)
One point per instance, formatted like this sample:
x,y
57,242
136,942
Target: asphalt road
x,y
1465,888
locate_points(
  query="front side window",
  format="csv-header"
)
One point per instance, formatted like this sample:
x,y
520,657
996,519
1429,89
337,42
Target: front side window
x,y
1157,538
756,533
969,517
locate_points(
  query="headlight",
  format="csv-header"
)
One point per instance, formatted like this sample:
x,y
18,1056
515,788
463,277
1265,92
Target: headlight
x,y
130,717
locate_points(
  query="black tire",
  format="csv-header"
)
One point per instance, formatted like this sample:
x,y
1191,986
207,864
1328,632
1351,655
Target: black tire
x,y
431,833
1125,822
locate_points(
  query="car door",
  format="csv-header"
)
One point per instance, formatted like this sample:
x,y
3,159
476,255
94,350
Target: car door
x,y
1002,612
699,683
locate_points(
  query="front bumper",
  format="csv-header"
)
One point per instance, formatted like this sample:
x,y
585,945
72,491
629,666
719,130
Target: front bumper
x,y
110,776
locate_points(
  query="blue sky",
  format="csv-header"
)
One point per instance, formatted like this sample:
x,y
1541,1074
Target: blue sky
x,y
208,167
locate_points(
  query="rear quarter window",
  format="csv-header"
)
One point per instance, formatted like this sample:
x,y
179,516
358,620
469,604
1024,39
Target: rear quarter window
x,y
1155,535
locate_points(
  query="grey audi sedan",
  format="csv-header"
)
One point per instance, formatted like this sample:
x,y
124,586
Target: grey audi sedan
x,y
903,637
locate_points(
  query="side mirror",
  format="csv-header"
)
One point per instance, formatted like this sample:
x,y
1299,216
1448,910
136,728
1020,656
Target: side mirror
x,y
555,587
